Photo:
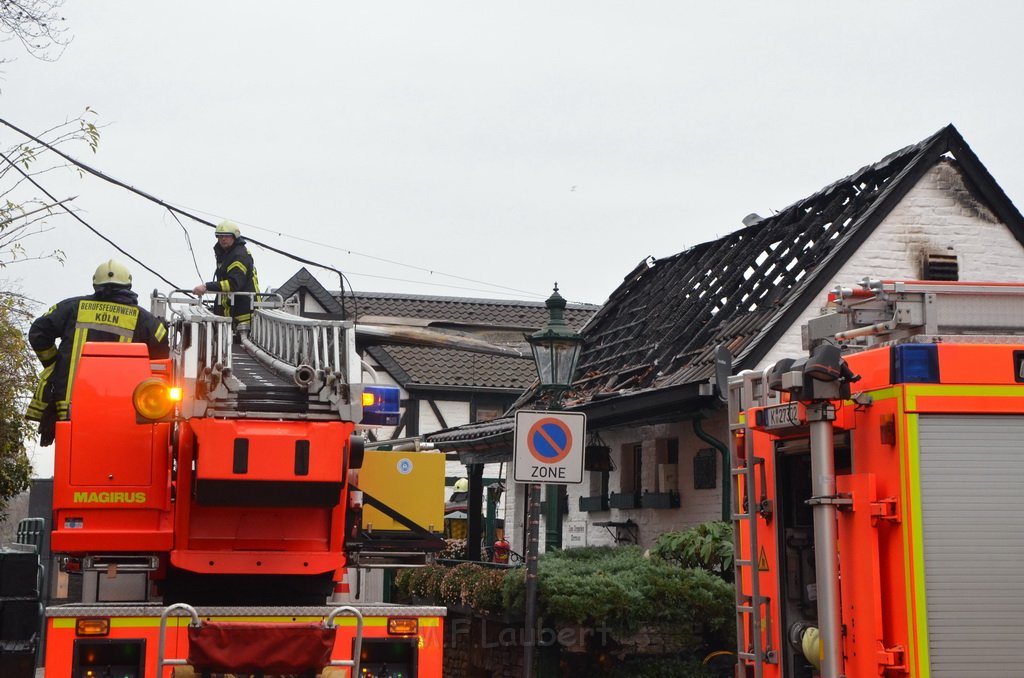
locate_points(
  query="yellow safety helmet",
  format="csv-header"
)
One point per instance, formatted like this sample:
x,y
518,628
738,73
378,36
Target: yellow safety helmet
x,y
227,228
112,273
462,485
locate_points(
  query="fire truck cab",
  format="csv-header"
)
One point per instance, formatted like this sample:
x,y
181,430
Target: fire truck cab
x,y
877,488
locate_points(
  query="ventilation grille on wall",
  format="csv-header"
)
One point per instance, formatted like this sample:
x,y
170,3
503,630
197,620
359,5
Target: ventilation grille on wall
x,y
940,267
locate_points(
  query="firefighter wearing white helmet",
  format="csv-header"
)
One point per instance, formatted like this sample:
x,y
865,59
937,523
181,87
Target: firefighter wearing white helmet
x,y
235,273
111,313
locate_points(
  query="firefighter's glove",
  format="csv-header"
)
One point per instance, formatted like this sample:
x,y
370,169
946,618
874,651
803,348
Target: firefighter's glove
x,y
48,427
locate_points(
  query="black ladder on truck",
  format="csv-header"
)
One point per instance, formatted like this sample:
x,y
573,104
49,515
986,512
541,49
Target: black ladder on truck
x,y
751,606
265,390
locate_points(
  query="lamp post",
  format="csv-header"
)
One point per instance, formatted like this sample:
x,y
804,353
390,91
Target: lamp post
x,y
556,349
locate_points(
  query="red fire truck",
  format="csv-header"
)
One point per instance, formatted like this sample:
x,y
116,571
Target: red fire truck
x,y
221,484
877,489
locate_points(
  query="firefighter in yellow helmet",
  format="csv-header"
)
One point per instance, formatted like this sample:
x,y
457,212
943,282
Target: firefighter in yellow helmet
x,y
235,273
460,493
111,313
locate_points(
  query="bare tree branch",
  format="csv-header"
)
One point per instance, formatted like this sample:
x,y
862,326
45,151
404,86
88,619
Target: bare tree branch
x,y
37,24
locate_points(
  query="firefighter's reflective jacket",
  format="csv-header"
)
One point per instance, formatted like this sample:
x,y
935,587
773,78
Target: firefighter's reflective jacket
x,y
105,316
235,273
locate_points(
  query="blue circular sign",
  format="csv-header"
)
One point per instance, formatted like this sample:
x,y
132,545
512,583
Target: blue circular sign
x,y
549,440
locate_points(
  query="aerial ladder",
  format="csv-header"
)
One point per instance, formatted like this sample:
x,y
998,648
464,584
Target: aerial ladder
x,y
223,480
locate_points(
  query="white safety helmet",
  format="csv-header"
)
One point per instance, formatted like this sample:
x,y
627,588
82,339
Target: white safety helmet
x,y
227,228
112,273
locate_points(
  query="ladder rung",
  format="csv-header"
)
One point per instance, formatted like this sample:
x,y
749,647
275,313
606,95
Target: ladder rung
x,y
746,655
742,516
743,563
744,608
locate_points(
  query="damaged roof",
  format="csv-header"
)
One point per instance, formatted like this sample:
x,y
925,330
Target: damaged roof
x,y
416,324
660,327
433,366
500,322
443,312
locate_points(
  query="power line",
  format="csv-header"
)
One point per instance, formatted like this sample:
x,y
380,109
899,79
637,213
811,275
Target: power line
x,y
190,213
348,250
152,198
188,242
399,263
83,221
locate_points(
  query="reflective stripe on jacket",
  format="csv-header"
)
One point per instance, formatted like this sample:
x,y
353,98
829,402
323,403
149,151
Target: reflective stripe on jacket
x,y
97,317
235,273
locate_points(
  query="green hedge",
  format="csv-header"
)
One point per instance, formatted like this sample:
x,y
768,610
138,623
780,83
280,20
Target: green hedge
x,y
619,587
616,587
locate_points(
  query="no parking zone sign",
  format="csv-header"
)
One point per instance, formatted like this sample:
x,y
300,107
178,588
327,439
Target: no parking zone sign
x,y
549,447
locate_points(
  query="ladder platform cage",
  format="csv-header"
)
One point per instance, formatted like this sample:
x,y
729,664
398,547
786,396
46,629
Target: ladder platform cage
x,y
259,648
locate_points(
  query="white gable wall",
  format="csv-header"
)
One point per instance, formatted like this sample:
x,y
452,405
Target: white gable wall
x,y
455,413
936,214
311,305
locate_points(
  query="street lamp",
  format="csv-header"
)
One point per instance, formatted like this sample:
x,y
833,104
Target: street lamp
x,y
556,349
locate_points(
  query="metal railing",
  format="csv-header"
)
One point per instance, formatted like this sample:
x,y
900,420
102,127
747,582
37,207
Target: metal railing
x,y
200,344
307,350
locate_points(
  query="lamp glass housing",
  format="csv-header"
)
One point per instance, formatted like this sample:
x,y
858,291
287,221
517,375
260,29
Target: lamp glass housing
x,y
556,361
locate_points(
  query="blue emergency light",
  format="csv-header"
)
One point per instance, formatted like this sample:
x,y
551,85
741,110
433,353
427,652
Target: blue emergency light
x,y
381,405
915,364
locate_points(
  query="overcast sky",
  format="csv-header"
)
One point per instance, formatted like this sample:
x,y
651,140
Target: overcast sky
x,y
500,146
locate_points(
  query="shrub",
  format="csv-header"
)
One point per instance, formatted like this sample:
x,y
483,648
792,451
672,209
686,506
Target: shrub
x,y
513,591
613,587
402,584
708,546
456,581
466,584
619,588
454,549
421,582
485,594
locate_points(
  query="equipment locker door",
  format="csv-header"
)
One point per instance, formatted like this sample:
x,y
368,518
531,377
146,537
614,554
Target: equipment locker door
x,y
971,475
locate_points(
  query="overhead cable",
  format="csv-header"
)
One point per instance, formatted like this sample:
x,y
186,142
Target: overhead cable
x,y
152,198
82,221
191,215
